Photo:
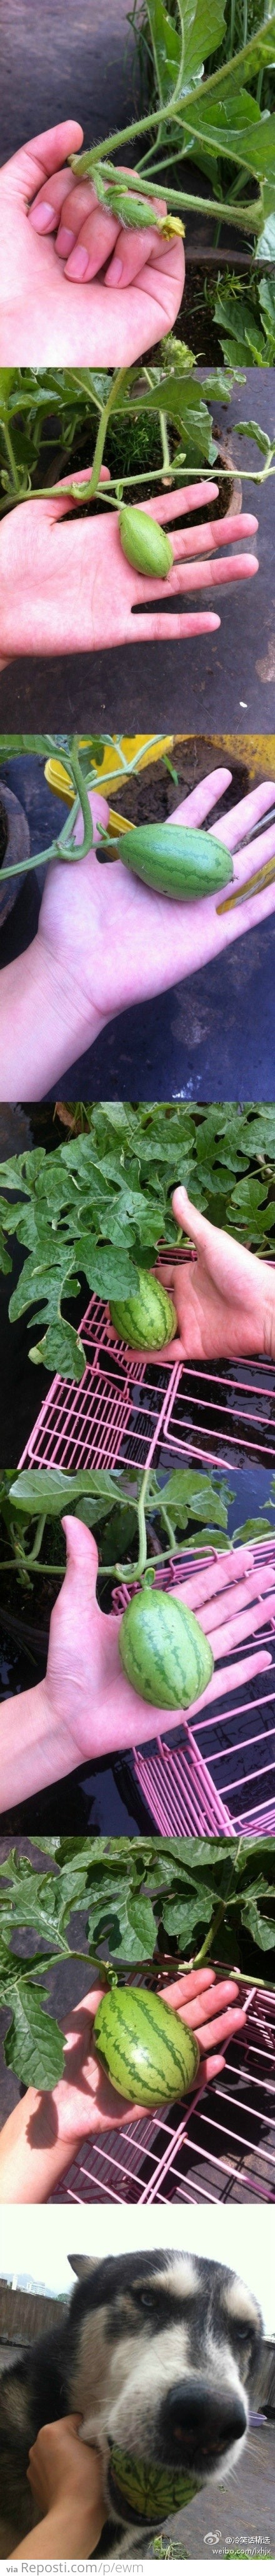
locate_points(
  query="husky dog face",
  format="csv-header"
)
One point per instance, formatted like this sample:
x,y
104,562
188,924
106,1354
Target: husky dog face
x,y
158,2354
171,2343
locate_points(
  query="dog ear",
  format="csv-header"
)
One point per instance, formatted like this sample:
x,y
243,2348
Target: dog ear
x,y
83,2263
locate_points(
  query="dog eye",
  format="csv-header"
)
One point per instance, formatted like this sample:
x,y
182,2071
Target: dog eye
x,y
146,2298
243,2332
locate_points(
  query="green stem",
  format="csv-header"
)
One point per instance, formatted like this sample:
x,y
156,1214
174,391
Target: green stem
x,y
35,1550
10,456
119,382
142,1532
165,442
247,215
221,1909
207,1945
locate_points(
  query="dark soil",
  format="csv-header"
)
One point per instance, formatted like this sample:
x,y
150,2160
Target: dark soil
x,y
153,795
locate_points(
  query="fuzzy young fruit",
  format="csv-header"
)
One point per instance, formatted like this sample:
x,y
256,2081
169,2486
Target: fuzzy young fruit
x,y
147,2051
163,1650
176,860
148,1321
145,543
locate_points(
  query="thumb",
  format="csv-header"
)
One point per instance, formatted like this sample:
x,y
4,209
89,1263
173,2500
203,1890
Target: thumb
x,y
189,1216
38,160
62,504
82,1559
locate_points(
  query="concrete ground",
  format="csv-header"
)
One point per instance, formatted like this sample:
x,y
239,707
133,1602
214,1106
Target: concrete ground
x,y
78,63
238,2517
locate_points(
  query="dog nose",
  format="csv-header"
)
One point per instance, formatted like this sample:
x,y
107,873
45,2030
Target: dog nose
x,y
199,2421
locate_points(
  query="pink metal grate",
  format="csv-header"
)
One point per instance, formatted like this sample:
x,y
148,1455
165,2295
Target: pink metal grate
x,y
219,1774
222,2147
181,1789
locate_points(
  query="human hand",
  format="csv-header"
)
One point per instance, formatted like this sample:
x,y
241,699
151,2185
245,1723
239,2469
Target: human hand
x,y
87,1698
66,586
59,2464
49,317
225,1300
120,943
84,2104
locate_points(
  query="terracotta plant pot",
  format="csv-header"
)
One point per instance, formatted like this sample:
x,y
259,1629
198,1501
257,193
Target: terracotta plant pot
x,y
17,848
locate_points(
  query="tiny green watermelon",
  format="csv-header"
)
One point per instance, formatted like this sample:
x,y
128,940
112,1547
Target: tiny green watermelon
x,y
146,1320
163,1650
149,2489
147,2051
176,860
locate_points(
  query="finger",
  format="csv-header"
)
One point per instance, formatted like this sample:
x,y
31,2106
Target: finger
x,y
249,860
239,1598
132,250
157,630
210,2066
185,1989
162,278
45,216
224,2028
196,807
199,576
204,1586
175,505
62,505
39,159
238,824
224,1636
227,1679
82,1560
206,1237
96,235
205,2012
206,539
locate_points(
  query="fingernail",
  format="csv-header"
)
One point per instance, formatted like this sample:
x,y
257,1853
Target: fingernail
x,y
114,273
64,242
78,262
41,216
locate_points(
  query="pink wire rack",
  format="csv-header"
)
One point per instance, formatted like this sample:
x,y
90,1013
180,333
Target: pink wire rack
x,y
220,2147
176,1781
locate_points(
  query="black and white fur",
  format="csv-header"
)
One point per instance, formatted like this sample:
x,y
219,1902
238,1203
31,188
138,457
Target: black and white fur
x,y
159,2354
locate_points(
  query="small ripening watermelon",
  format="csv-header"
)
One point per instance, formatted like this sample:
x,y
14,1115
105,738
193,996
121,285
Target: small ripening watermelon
x,y
176,860
150,2490
163,1650
147,2051
145,1321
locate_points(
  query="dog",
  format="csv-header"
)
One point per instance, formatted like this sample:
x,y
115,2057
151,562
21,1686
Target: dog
x,y
159,2354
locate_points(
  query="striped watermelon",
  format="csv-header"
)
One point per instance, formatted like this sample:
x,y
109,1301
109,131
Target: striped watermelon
x,y
163,1650
175,859
147,2051
148,1320
150,2490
